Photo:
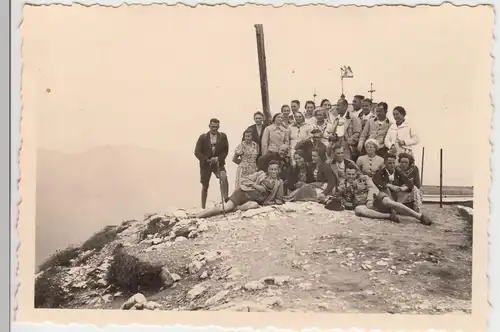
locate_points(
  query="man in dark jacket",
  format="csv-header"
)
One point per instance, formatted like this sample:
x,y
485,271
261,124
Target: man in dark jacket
x,y
390,179
282,157
310,143
211,150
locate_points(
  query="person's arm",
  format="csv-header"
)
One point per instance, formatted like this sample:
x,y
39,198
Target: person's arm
x,y
237,154
278,198
356,130
416,180
331,179
364,135
373,191
250,179
389,138
405,182
287,137
414,139
198,150
225,148
359,163
265,140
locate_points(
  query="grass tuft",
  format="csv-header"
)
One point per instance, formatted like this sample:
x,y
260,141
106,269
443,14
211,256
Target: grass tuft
x,y
100,239
49,292
61,258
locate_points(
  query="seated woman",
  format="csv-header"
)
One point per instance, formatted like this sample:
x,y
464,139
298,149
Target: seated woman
x,y
323,181
411,198
390,179
298,174
359,192
370,163
265,188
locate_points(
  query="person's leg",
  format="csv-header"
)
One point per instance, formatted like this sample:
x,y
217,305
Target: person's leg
x,y
404,210
225,184
364,211
205,175
216,210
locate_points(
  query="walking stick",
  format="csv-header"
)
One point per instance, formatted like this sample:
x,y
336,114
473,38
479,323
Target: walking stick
x,y
221,189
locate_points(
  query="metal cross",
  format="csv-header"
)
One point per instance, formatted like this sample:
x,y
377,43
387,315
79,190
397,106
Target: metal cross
x,y
371,91
314,96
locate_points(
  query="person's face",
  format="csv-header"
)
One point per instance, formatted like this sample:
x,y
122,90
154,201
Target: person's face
x,y
213,127
356,104
295,107
299,161
350,175
397,116
285,110
283,152
248,137
390,164
315,157
327,105
273,171
366,107
320,115
316,137
404,163
309,108
278,119
299,118
258,119
370,149
339,154
341,108
381,113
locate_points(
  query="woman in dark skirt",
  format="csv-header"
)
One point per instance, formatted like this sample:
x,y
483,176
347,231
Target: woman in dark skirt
x,y
264,188
412,198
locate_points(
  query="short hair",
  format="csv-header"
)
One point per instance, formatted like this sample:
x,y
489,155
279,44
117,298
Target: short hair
x,y
321,153
315,131
258,113
373,142
368,100
401,110
350,166
323,102
360,97
406,155
275,115
337,146
282,107
310,102
247,131
214,120
342,96
301,153
390,155
344,102
319,109
295,101
273,162
384,105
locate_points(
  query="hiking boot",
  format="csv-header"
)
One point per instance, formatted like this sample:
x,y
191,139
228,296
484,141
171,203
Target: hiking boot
x,y
425,220
394,217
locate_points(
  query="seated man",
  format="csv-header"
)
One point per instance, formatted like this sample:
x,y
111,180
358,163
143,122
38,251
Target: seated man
x,y
310,143
390,179
340,162
358,192
282,157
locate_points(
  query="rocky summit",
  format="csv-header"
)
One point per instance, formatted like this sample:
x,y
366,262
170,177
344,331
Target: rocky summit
x,y
293,257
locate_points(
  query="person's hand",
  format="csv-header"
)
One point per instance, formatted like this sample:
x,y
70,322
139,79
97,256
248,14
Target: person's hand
x,y
260,188
299,184
397,189
400,142
321,197
392,187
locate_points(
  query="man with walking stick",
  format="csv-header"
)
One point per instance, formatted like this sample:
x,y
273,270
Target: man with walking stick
x,y
211,150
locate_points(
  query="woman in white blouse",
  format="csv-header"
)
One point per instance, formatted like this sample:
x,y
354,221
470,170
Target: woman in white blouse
x,y
299,131
400,136
275,135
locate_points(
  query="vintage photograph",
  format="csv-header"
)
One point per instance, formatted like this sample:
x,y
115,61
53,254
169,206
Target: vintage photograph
x,y
293,159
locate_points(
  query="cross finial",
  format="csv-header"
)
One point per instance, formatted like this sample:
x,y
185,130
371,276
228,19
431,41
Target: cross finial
x,y
371,91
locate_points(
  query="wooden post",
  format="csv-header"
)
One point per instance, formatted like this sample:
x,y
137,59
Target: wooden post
x,y
261,51
441,178
422,167
342,81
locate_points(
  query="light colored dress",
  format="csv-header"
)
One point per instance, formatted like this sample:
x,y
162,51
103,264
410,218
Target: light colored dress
x,y
297,134
273,137
248,160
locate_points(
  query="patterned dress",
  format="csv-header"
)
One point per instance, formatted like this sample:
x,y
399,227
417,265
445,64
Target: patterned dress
x,y
248,155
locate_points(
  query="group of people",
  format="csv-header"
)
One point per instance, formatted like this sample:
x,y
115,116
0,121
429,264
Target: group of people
x,y
347,157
